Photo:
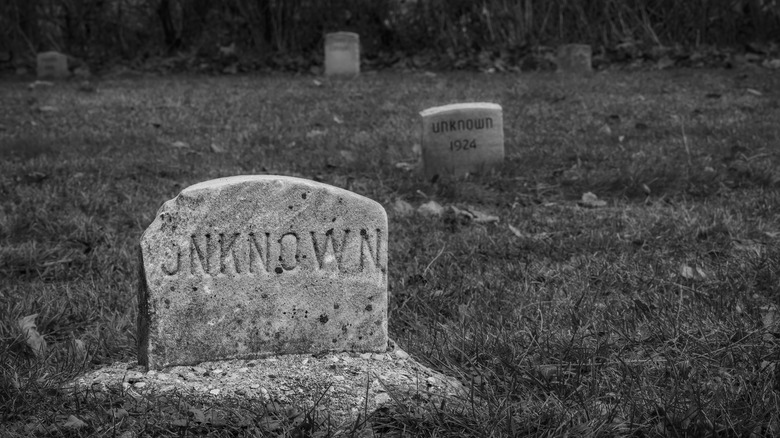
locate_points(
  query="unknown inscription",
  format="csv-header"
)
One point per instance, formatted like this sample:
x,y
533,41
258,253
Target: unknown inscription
x,y
253,265
250,253
462,138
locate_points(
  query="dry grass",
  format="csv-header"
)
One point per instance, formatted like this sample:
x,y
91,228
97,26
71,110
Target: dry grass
x,y
650,316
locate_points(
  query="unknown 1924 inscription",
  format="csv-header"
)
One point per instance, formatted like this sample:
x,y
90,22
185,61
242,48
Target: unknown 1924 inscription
x,y
462,138
342,54
248,266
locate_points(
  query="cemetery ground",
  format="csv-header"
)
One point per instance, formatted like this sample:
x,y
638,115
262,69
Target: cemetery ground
x,y
647,308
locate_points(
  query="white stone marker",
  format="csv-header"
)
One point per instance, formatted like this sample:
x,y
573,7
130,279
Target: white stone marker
x,y
52,65
462,138
251,266
342,54
575,59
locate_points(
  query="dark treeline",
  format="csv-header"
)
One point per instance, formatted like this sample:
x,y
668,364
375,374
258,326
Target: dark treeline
x,y
111,30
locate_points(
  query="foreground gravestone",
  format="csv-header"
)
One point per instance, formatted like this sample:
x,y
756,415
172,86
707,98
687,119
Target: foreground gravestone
x,y
462,138
574,59
342,54
52,65
251,266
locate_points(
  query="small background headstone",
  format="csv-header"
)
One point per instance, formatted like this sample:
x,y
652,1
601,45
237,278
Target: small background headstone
x,y
462,138
53,65
575,59
249,266
342,54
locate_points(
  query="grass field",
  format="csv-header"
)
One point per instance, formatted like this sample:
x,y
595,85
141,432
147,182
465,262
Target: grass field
x,y
657,314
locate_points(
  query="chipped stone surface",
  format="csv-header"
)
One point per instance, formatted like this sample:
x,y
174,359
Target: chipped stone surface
x,y
342,54
253,266
52,65
342,385
462,138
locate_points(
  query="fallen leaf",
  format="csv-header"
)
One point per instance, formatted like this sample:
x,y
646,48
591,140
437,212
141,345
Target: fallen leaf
x,y
748,245
74,422
348,156
770,317
382,398
403,165
38,84
119,413
338,120
198,415
31,336
217,149
180,145
402,208
87,87
316,133
78,350
590,200
696,273
664,63
430,208
471,214
464,311
517,232
480,217
317,83
522,235
35,177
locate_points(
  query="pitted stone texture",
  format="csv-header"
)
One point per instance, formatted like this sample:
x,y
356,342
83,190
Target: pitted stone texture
x,y
462,138
252,266
52,65
342,54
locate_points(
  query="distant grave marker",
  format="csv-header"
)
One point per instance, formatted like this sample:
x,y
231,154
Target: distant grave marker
x,y
52,65
574,59
250,266
462,138
342,54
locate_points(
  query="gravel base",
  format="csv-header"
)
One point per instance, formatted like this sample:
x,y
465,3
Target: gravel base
x,y
336,383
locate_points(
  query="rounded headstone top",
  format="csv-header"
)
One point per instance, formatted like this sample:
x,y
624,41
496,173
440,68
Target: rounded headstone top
x,y
342,35
460,106
220,183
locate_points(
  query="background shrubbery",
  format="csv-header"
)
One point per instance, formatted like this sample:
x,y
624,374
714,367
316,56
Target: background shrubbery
x,y
452,33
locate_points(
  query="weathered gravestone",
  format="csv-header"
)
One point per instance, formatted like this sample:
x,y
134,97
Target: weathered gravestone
x,y
342,54
52,65
251,266
574,59
462,138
